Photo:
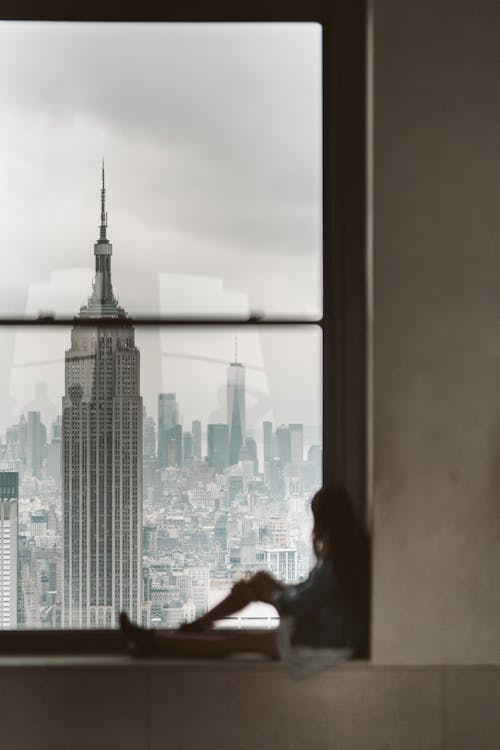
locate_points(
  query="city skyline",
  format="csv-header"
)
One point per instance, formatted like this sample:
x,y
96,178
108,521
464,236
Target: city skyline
x,y
215,210
197,377
142,484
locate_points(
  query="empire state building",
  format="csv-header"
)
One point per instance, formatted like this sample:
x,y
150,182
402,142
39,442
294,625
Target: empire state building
x,y
102,458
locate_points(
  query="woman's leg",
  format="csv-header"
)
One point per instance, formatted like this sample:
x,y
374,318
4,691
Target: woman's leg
x,y
240,595
144,642
260,587
211,645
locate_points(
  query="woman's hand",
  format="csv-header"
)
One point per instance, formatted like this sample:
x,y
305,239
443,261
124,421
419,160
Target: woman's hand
x,y
263,587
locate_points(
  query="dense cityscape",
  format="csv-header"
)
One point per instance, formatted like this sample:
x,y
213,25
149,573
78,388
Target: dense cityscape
x,y
110,508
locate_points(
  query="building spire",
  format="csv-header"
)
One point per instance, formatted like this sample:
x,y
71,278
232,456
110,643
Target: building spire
x,y
102,302
104,215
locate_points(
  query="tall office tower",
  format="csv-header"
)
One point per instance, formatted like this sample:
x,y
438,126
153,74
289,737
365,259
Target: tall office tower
x,y
267,428
296,443
178,444
172,451
284,442
217,446
148,436
35,443
16,441
196,431
102,458
168,418
9,494
187,447
249,452
57,428
54,450
148,454
235,407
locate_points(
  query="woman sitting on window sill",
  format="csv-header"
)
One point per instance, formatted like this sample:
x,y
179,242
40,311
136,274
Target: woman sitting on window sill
x,y
325,617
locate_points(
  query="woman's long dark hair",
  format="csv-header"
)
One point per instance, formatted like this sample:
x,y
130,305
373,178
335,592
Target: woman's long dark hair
x,y
339,535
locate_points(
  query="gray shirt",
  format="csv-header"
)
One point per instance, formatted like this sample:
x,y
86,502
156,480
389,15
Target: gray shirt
x,y
321,615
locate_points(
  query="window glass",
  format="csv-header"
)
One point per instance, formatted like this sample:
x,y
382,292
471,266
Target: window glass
x,y
149,468
211,135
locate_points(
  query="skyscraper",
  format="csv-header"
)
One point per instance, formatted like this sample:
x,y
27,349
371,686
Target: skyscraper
x,y
217,446
168,419
187,448
235,408
17,437
267,429
296,443
284,441
250,451
54,451
148,436
9,495
35,444
102,458
196,430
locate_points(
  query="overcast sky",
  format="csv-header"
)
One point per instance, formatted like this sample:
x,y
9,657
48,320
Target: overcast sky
x,y
211,138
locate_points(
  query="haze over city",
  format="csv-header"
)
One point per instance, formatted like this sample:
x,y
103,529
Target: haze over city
x,y
145,469
214,192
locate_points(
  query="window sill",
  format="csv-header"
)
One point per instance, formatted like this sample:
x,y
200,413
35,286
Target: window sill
x,y
104,701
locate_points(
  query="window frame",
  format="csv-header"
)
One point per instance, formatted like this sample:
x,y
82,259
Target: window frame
x,y
346,289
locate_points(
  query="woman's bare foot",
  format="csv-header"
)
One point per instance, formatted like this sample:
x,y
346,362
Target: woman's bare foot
x,y
140,641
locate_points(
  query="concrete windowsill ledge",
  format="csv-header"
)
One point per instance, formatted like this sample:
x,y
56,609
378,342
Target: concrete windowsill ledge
x,y
107,702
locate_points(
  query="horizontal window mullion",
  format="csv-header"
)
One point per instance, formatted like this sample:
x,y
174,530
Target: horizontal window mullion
x,y
153,321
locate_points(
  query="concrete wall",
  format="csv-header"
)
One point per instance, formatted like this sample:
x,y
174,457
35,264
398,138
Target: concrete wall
x,y
116,704
437,332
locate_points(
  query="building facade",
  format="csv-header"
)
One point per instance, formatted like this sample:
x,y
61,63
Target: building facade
x,y
217,446
235,409
35,444
196,432
9,494
168,420
102,458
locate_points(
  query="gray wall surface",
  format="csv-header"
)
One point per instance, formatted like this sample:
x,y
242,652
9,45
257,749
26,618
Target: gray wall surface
x,y
106,704
436,332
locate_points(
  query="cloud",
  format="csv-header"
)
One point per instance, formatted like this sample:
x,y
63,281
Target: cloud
x,y
211,132
212,141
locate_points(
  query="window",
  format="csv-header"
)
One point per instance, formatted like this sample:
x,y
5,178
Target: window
x,y
342,324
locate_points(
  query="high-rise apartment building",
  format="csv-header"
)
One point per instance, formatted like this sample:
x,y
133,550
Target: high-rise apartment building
x,y
168,419
235,408
9,494
102,458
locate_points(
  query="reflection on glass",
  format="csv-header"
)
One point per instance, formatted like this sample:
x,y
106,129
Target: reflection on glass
x,y
213,156
154,468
